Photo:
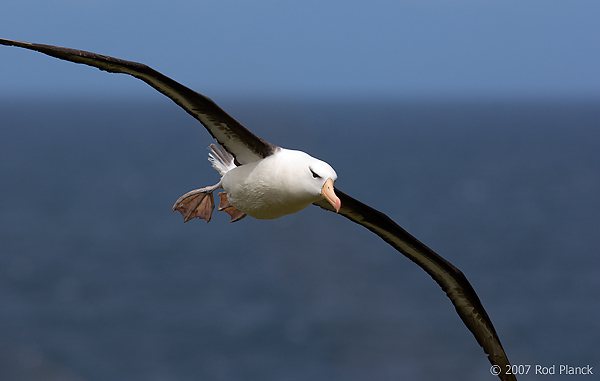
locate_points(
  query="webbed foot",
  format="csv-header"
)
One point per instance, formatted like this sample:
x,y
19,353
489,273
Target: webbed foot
x,y
226,207
197,203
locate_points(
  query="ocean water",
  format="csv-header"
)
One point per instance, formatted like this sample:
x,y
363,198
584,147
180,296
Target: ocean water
x,y
99,280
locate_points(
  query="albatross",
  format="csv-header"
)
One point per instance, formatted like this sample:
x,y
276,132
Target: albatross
x,y
264,181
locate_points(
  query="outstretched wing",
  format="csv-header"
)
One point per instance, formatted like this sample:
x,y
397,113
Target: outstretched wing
x,y
450,279
240,142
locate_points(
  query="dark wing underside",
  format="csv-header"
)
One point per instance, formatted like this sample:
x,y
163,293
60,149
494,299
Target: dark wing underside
x,y
450,279
240,142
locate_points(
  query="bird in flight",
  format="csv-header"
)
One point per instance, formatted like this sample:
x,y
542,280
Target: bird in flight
x,y
265,181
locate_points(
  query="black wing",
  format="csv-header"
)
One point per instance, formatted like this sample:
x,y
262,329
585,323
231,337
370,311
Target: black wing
x,y
450,279
240,142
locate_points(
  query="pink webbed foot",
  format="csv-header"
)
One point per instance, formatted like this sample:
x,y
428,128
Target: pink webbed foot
x,y
197,203
226,207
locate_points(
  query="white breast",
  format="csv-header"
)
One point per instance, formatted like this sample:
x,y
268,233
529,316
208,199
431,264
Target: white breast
x,y
277,185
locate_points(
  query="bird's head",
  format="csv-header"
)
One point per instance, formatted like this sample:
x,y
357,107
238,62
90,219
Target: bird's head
x,y
315,177
323,177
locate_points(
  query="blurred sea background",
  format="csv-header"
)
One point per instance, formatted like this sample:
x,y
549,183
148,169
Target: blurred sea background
x,y
99,280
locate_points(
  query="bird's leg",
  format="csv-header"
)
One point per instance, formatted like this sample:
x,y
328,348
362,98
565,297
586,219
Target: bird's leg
x,y
197,203
226,207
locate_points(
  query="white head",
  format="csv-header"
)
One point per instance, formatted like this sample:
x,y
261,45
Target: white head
x,y
312,176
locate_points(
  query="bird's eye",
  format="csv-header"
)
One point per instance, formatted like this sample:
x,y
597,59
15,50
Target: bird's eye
x,y
314,174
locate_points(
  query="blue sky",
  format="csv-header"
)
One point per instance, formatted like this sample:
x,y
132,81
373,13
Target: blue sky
x,y
306,48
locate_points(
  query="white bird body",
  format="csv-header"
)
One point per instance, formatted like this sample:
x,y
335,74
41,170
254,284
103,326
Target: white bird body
x,y
280,184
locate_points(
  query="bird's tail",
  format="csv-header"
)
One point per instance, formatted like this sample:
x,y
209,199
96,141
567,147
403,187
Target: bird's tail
x,y
221,160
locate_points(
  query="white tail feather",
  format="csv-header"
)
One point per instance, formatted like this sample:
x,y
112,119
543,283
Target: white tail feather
x,y
221,160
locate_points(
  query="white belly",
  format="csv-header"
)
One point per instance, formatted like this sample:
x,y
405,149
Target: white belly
x,y
264,190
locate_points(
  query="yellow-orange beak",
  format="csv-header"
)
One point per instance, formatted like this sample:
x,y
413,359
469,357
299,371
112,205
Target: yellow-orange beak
x,y
329,195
